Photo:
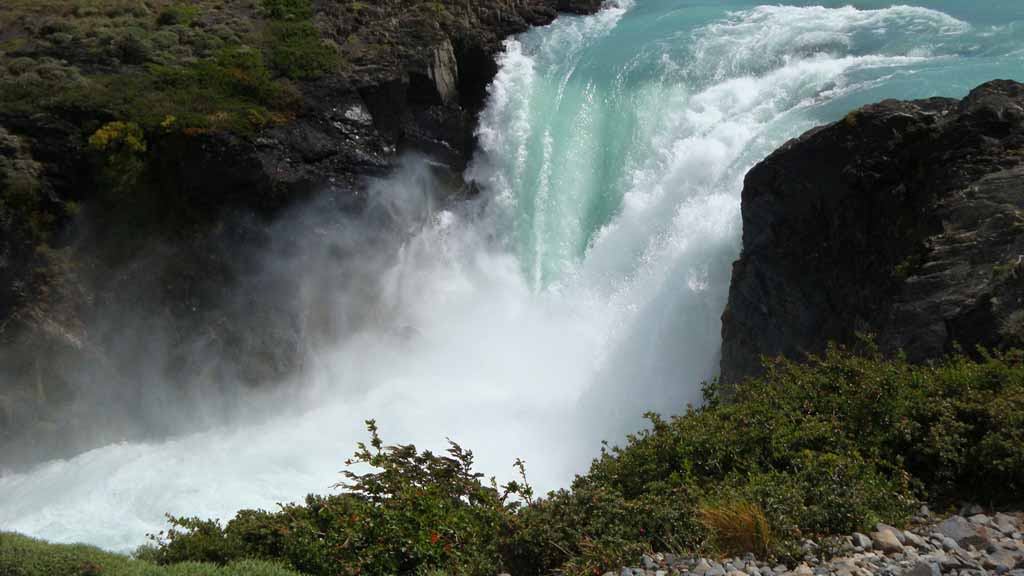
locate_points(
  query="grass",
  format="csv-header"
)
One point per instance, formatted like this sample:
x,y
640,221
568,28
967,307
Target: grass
x,y
738,528
24,556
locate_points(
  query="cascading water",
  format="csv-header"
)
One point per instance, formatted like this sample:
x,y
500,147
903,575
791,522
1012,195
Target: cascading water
x,y
583,287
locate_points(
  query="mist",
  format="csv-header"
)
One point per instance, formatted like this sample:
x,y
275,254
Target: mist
x,y
412,311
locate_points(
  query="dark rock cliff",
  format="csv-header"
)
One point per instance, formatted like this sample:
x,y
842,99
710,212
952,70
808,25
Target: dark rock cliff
x,y
147,149
904,220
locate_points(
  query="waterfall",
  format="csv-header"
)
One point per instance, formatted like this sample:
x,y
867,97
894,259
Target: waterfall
x,y
582,287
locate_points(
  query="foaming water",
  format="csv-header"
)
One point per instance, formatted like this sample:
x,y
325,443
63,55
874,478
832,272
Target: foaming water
x,y
583,287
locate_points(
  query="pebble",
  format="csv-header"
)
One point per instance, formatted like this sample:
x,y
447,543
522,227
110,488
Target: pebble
x,y
970,544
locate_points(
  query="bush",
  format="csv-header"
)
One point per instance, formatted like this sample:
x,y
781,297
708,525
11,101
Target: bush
x,y
23,556
813,449
297,51
288,9
417,512
178,15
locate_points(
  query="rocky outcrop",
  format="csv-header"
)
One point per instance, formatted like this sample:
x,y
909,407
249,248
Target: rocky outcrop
x,y
904,220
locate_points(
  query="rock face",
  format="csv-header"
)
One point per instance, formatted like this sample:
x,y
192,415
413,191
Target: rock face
x,y
904,220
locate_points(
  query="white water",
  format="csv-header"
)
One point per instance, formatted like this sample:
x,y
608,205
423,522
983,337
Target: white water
x,y
582,289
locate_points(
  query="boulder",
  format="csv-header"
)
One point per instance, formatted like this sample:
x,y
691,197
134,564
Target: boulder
x,y
895,531
962,532
886,541
902,219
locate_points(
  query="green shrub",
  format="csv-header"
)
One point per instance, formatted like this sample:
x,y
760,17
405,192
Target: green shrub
x,y
296,50
814,449
414,512
288,9
23,556
178,14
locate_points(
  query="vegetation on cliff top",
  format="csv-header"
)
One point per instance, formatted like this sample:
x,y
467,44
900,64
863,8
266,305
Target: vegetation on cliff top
x,y
810,450
176,69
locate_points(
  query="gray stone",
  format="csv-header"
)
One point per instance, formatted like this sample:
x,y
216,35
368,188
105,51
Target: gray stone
x,y
980,519
1000,562
880,527
971,510
443,70
962,532
649,563
950,563
924,569
915,540
701,567
861,541
1005,523
716,570
948,544
886,541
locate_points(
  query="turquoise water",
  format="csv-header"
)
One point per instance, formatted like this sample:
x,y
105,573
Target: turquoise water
x,y
583,287
608,97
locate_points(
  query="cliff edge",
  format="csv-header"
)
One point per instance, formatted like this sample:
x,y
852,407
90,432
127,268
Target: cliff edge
x,y
904,220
